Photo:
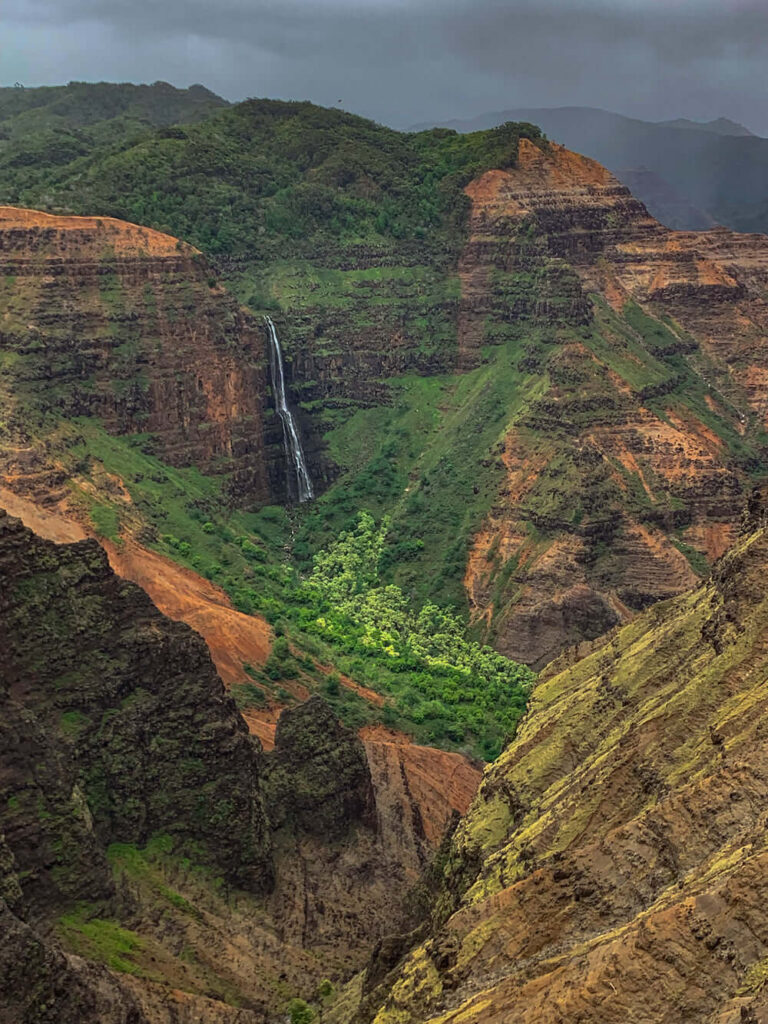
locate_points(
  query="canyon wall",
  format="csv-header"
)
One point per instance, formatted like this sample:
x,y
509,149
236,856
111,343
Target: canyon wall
x,y
638,452
613,865
155,864
106,319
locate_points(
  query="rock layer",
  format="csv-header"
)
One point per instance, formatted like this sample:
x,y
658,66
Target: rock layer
x,y
108,319
632,460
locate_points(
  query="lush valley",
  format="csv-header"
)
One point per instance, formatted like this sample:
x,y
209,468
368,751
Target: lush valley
x,y
534,419
382,288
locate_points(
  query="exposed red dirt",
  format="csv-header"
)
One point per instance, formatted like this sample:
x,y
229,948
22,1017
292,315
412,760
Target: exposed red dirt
x,y
262,722
121,236
234,639
431,783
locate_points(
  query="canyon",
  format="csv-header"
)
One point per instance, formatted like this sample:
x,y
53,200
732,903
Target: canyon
x,y
214,806
146,830
613,865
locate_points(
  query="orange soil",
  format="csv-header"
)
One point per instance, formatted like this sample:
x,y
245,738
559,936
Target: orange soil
x,y
234,639
436,781
262,722
712,538
46,524
119,235
558,166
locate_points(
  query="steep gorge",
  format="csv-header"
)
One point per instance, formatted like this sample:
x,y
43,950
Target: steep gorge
x,y
147,832
548,391
637,454
563,412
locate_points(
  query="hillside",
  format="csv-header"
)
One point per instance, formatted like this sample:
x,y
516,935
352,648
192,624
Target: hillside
x,y
47,132
613,865
717,168
554,400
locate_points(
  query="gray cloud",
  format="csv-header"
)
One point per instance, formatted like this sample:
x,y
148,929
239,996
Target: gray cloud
x,y
403,62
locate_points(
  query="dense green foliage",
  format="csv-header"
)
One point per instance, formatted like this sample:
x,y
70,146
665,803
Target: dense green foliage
x,y
48,134
467,692
268,170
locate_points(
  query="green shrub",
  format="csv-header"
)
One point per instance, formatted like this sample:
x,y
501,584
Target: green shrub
x,y
300,1012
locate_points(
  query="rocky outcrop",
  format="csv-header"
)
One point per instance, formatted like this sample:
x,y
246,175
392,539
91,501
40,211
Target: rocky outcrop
x,y
155,866
319,781
94,749
631,462
626,821
103,318
356,824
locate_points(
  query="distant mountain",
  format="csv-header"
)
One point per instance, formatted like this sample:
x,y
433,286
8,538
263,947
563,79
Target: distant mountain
x,y
664,201
719,170
720,126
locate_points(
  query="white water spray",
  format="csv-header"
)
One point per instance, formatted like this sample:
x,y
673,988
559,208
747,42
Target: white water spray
x,y
291,438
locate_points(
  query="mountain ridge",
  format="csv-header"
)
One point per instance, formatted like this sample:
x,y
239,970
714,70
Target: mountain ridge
x,y
626,819
719,174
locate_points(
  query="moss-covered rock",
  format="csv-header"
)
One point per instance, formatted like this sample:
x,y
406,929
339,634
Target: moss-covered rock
x,y
115,726
318,778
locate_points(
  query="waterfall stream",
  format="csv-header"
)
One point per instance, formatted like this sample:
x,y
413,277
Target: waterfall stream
x,y
291,438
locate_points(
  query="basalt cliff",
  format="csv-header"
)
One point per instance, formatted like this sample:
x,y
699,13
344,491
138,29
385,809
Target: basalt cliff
x,y
633,459
558,401
108,320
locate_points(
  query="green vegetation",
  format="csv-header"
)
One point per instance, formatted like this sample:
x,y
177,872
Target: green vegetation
x,y
100,939
465,693
451,704
272,170
432,463
300,1012
46,134
106,521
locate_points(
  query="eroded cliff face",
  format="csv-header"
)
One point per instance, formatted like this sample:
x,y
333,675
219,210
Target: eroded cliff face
x,y
116,730
614,865
106,319
88,667
632,460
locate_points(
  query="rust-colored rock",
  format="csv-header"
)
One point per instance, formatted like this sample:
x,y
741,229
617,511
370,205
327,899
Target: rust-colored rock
x,y
117,321
650,471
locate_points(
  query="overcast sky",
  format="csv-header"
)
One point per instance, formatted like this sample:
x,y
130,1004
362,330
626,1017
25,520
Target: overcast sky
x,y
406,61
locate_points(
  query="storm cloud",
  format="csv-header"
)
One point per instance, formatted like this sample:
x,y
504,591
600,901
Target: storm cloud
x,y
405,62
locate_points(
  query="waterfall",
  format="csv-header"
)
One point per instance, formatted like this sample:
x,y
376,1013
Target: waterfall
x,y
291,438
